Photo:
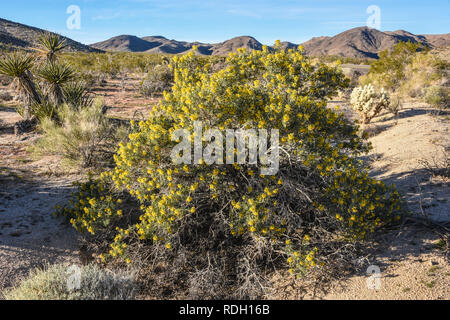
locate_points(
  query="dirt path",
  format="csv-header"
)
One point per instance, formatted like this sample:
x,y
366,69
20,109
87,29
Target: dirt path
x,y
30,236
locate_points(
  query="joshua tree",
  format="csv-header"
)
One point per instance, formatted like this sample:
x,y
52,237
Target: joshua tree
x,y
56,75
50,45
77,95
18,65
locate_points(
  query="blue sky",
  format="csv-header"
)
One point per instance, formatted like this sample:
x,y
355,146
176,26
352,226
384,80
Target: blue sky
x,y
216,21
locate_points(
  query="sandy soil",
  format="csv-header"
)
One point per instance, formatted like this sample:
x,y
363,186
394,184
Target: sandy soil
x,y
123,100
402,153
411,259
30,236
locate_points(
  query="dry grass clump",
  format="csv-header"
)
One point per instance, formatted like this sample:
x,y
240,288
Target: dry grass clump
x,y
84,137
438,97
55,283
158,80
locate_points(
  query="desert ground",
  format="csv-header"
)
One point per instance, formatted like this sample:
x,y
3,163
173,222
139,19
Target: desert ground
x,y
412,258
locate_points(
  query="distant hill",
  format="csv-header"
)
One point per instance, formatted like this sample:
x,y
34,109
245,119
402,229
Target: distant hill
x,y
124,43
362,42
17,35
232,45
159,44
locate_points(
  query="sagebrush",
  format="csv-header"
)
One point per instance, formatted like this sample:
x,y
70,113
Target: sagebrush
x,y
52,283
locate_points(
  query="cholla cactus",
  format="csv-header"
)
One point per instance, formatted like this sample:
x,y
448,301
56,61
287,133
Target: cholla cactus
x,y
367,102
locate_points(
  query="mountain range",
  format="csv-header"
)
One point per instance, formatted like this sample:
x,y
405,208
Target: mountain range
x,y
17,35
361,42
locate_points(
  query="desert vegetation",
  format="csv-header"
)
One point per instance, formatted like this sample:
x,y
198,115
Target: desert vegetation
x,y
410,71
96,283
215,230
291,220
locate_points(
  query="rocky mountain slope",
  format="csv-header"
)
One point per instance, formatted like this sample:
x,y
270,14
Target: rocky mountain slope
x,y
17,35
364,42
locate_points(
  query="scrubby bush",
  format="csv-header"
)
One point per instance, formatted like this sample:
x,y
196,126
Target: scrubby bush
x,y
83,137
394,106
158,80
190,220
438,97
406,71
389,70
53,283
41,110
111,64
368,102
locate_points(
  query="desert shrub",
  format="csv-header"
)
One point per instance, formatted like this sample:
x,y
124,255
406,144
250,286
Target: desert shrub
x,y
112,63
438,166
83,137
438,97
426,69
389,70
92,78
406,72
52,282
158,80
77,95
394,105
40,110
368,102
191,220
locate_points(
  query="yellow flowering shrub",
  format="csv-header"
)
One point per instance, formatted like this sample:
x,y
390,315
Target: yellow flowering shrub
x,y
321,197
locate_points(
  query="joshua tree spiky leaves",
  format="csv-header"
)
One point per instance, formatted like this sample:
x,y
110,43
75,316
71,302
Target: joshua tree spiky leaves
x,y
50,45
56,75
17,65
77,95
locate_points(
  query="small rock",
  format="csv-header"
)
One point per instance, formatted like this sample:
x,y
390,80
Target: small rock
x,y
433,263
